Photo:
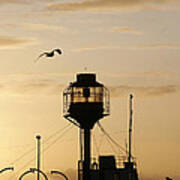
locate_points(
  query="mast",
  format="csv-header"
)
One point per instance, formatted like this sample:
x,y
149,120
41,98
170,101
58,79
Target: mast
x,y
38,155
130,126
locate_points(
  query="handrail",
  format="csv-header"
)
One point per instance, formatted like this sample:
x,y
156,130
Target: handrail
x,y
61,173
6,169
26,172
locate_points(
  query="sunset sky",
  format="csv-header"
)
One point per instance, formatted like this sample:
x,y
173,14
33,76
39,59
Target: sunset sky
x,y
132,45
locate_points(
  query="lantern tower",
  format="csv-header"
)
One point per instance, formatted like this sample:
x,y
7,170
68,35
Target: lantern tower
x,y
85,102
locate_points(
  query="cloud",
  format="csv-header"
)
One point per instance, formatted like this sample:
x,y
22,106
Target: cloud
x,y
154,46
39,87
135,47
13,42
14,1
154,73
91,5
126,30
143,91
32,84
92,48
42,27
5,41
53,84
104,4
49,88
54,88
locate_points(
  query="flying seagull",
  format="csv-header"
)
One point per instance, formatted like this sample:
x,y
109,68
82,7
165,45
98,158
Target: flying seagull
x,y
49,54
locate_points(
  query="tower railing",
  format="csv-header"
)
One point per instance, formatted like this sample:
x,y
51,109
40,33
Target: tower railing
x,y
67,99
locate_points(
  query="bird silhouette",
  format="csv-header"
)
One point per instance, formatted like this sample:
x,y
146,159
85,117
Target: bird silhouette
x,y
49,54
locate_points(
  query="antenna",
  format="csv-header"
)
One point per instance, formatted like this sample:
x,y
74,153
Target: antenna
x,y
130,126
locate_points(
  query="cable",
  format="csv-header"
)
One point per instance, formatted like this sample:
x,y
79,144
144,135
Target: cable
x,y
50,145
57,132
101,141
96,146
113,149
31,150
97,149
23,155
72,121
102,129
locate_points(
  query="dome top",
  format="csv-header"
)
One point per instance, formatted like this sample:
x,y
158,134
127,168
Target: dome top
x,y
86,80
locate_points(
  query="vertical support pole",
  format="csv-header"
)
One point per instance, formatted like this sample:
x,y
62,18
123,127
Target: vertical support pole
x,y
81,143
80,162
38,155
87,154
130,126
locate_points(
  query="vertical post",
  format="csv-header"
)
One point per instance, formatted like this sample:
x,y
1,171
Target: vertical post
x,y
80,162
81,143
87,154
130,126
38,155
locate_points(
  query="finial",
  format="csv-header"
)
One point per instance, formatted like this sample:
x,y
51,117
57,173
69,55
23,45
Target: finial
x,y
131,96
38,137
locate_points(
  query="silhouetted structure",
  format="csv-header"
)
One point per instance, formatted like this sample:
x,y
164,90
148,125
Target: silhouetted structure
x,y
130,126
85,102
167,178
109,169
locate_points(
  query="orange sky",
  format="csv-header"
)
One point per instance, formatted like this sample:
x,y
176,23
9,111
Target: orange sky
x,y
133,46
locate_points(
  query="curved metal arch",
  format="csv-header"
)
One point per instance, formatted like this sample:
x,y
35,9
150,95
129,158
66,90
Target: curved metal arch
x,y
26,172
6,169
34,169
61,173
